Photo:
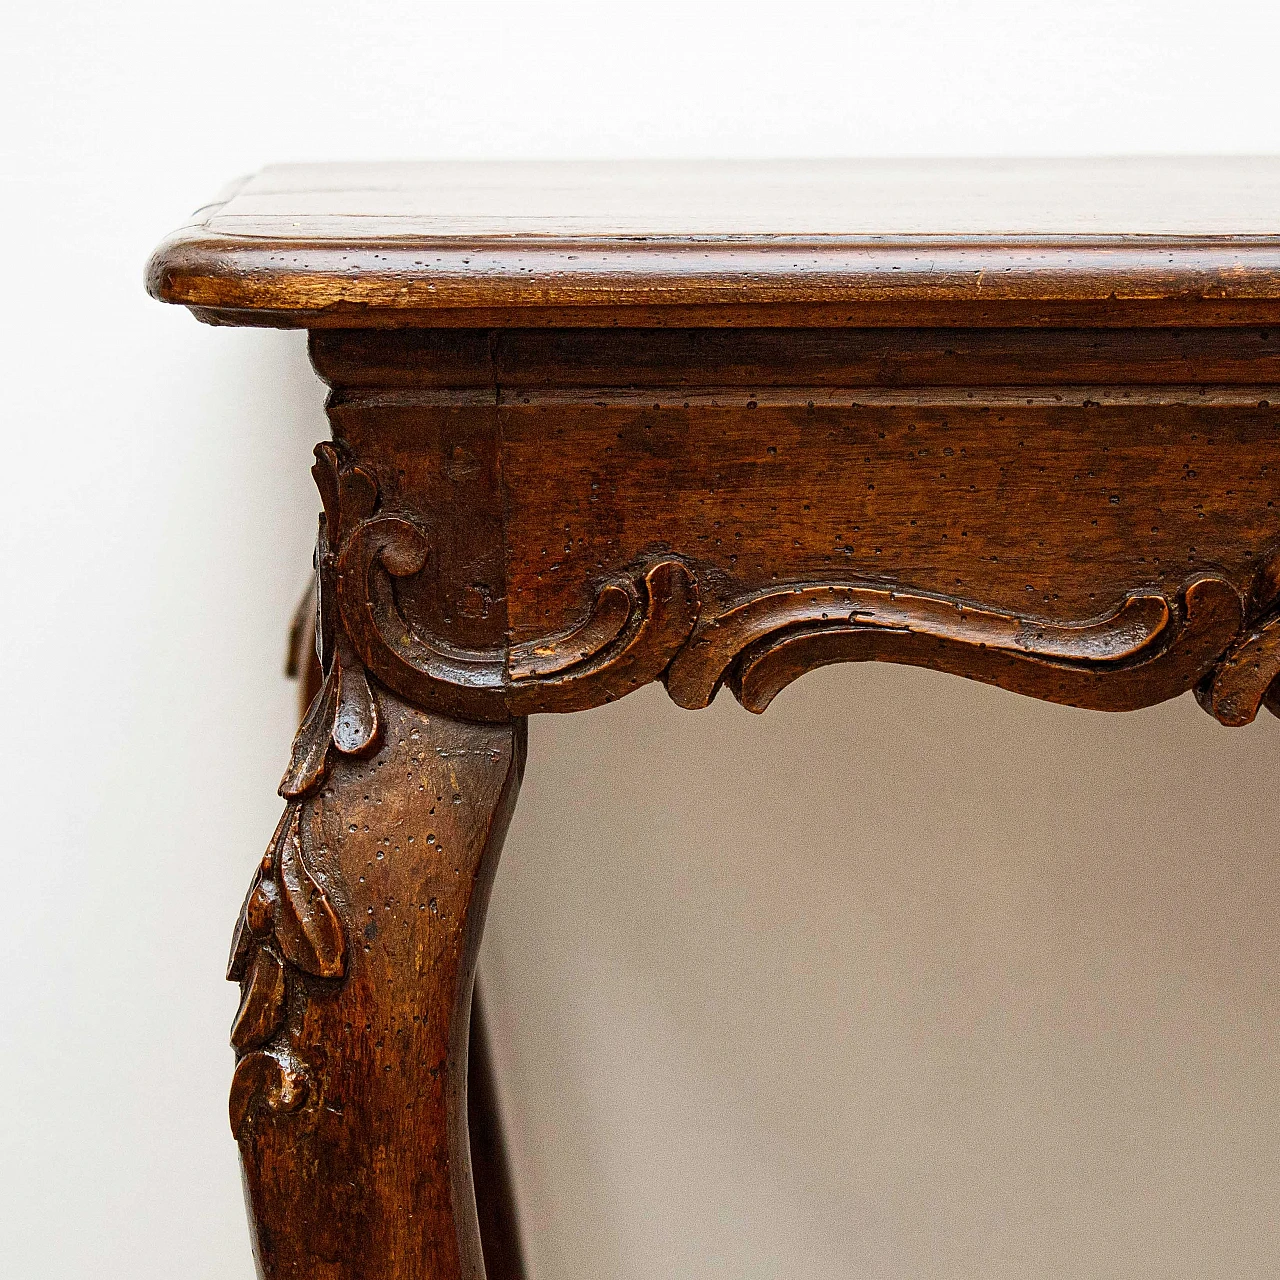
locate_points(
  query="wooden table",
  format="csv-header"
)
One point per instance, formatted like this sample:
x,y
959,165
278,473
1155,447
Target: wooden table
x,y
710,424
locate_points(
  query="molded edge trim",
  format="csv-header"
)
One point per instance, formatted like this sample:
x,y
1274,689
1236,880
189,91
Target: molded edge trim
x,y
224,276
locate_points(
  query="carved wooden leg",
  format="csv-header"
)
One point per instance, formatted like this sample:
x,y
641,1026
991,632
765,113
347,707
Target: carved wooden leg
x,y
490,1166
356,952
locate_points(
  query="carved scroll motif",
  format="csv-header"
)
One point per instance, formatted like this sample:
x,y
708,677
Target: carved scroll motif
x,y
289,932
1247,677
1147,649
631,633
1244,679
1151,646
287,928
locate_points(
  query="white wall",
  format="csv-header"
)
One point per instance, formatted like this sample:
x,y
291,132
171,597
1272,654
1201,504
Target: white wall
x,y
908,979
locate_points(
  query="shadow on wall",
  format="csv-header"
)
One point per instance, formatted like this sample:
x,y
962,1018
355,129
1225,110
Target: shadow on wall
x,y
909,977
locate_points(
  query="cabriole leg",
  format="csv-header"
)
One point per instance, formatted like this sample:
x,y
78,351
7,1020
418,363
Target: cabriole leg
x,y
356,954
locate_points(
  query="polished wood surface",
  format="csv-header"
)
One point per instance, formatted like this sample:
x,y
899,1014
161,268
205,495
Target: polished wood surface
x,y
814,242
714,199
908,492
598,427
496,1212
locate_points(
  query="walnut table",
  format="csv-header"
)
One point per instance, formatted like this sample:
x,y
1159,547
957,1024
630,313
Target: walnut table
x,y
714,425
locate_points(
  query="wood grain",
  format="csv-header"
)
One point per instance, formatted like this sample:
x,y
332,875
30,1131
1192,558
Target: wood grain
x,y
709,199
496,1210
350,245
511,361
351,1112
948,474
715,425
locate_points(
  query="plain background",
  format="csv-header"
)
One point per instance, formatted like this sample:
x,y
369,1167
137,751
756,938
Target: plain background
x,y
909,978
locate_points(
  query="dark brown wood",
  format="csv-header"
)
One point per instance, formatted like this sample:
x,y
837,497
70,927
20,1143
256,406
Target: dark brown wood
x,y
496,1212
694,244
510,361
596,427
1095,543
356,952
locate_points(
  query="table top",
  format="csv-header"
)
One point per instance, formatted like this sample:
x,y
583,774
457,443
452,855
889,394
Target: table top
x,y
378,242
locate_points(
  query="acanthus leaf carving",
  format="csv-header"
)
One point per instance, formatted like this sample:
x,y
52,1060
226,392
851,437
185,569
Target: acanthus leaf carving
x,y
650,625
249,923
265,1082
309,758
262,1005
288,927
306,925
1152,645
1247,677
1240,684
344,714
355,718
